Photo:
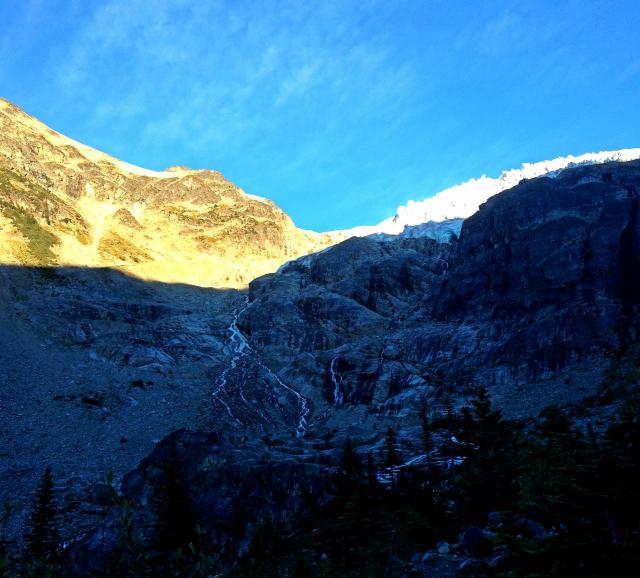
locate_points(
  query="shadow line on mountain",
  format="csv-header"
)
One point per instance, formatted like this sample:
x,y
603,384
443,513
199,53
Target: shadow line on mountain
x,y
110,275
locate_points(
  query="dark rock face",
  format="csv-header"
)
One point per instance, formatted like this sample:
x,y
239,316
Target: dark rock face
x,y
549,242
543,283
533,301
96,368
552,266
232,484
334,323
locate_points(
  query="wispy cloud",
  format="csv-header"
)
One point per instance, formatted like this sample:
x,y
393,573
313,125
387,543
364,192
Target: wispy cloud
x,y
502,31
246,68
16,28
631,70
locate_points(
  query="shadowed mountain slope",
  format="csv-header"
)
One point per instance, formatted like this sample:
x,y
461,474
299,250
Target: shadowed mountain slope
x,y
542,287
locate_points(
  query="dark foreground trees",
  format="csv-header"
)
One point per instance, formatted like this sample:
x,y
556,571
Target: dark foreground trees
x,y
552,496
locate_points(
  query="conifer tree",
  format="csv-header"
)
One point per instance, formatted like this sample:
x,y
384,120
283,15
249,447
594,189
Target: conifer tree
x,y
348,478
488,422
427,438
371,471
391,448
489,470
42,536
4,521
267,551
176,518
350,464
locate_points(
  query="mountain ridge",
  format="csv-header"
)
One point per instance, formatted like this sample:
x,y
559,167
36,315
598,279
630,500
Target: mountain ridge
x,y
64,203
462,200
415,218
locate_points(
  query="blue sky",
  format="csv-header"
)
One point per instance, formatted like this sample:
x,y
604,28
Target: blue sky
x,y
340,110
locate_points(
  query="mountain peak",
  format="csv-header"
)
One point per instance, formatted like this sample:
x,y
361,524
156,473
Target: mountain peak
x,y
463,200
178,169
65,203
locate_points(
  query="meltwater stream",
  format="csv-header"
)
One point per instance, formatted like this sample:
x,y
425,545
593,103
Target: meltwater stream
x,y
336,378
240,348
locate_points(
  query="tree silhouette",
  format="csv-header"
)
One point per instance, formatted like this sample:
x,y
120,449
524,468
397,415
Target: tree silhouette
x,y
176,518
42,536
391,457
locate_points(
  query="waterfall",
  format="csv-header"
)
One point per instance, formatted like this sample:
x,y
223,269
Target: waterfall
x,y
336,378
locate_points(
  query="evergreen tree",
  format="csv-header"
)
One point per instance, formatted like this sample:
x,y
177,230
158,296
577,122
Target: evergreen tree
x,y
618,478
587,490
348,478
557,428
553,464
176,517
42,536
488,422
489,469
427,438
267,553
129,556
391,457
372,480
350,464
4,522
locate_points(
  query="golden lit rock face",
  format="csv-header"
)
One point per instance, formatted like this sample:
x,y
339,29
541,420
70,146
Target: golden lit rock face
x,y
63,203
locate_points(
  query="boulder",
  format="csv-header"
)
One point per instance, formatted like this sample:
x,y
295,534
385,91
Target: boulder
x,y
476,543
443,547
531,529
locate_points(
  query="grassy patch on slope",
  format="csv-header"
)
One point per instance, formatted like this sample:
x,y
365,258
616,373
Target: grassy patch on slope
x,y
15,189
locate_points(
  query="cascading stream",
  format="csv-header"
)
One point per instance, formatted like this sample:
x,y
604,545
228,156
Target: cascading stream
x,y
240,348
336,378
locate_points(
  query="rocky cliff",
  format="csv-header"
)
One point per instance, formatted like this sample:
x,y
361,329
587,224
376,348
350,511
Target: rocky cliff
x,y
540,289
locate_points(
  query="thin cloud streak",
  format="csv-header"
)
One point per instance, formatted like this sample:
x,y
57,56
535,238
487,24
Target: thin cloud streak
x,y
293,61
